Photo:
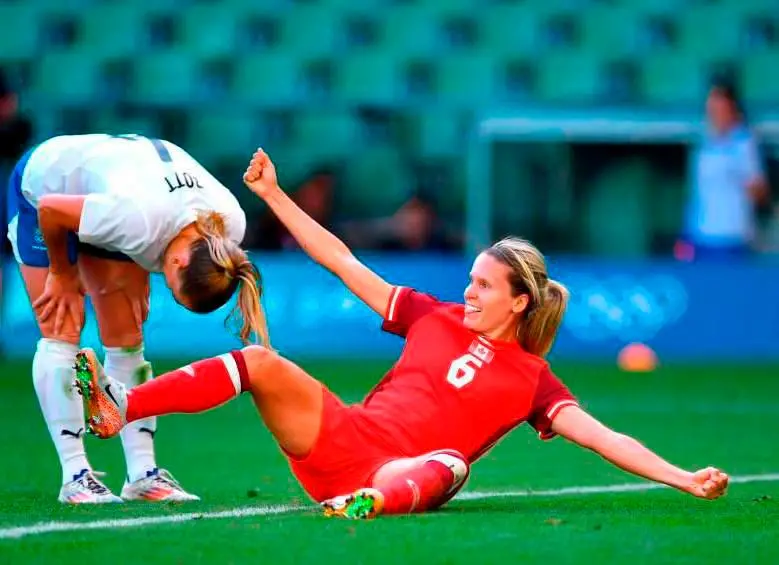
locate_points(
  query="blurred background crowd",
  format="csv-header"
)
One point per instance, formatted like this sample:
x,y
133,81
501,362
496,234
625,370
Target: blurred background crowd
x,y
368,107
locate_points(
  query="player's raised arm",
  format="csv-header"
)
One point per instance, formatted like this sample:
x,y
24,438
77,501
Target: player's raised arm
x,y
576,425
321,245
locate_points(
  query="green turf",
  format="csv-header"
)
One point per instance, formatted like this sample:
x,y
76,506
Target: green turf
x,y
695,416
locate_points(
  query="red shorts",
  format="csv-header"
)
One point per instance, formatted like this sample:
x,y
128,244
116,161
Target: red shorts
x,y
344,457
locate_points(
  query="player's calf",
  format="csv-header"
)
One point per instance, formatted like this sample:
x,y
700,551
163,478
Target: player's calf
x,y
421,483
405,486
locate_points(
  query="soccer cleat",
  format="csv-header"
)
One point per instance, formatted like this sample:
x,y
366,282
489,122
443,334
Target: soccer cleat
x,y
363,504
157,486
85,488
105,398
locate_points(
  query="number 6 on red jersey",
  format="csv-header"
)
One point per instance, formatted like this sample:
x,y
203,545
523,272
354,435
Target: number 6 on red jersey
x,y
463,370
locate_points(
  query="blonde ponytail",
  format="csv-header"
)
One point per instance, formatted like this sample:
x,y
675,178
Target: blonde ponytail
x,y
249,305
537,332
217,268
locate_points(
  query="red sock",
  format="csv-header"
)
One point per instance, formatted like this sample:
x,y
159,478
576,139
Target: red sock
x,y
418,490
194,388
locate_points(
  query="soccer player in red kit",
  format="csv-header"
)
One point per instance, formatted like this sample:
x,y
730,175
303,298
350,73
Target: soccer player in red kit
x,y
468,374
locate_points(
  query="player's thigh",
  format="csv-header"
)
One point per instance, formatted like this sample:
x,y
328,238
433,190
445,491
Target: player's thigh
x,y
290,401
35,282
119,291
32,255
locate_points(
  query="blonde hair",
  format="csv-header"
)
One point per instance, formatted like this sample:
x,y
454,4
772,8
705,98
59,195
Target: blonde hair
x,y
217,267
547,299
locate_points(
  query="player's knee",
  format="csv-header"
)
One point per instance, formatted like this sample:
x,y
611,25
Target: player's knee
x,y
67,334
456,462
128,338
261,364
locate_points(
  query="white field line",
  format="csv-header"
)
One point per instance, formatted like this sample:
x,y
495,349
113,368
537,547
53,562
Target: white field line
x,y
49,527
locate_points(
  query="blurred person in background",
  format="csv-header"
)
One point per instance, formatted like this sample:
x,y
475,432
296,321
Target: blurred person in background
x,y
414,227
16,133
314,195
15,129
728,182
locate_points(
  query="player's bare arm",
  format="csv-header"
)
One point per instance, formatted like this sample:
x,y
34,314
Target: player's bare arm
x,y
59,214
577,426
63,295
321,245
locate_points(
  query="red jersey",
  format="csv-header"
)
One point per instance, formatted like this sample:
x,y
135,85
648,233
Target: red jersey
x,y
453,388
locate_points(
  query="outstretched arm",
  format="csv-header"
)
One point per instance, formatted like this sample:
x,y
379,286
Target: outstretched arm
x,y
321,245
576,425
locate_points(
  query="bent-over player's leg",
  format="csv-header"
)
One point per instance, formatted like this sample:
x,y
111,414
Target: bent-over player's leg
x,y
119,290
52,375
288,399
405,486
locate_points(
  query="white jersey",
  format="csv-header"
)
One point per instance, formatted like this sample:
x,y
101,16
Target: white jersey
x,y
140,193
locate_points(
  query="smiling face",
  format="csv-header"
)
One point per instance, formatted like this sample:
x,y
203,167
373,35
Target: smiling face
x,y
491,307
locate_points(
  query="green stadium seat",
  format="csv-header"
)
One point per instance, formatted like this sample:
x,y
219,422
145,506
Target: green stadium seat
x,y
66,78
658,7
311,30
223,132
760,79
267,80
326,134
167,78
368,77
440,134
672,78
412,31
609,33
569,77
377,183
510,30
209,30
468,79
18,41
112,30
709,33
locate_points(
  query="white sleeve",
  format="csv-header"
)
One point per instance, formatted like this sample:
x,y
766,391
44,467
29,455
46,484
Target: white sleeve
x,y
236,225
112,223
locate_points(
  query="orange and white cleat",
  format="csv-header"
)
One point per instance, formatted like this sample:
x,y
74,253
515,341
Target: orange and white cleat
x,y
105,399
157,486
86,488
363,504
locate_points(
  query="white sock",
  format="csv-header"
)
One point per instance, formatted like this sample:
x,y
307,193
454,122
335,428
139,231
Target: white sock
x,y
62,407
128,366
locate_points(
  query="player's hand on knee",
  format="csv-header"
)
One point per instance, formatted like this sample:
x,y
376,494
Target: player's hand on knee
x,y
62,298
708,483
260,175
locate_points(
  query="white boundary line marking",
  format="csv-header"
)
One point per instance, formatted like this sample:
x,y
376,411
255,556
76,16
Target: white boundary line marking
x,y
49,527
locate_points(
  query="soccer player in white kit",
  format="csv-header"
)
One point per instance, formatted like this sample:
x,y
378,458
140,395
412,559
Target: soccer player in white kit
x,y
96,214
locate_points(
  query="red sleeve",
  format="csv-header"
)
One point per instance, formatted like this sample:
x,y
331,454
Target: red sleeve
x,y
551,396
406,306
